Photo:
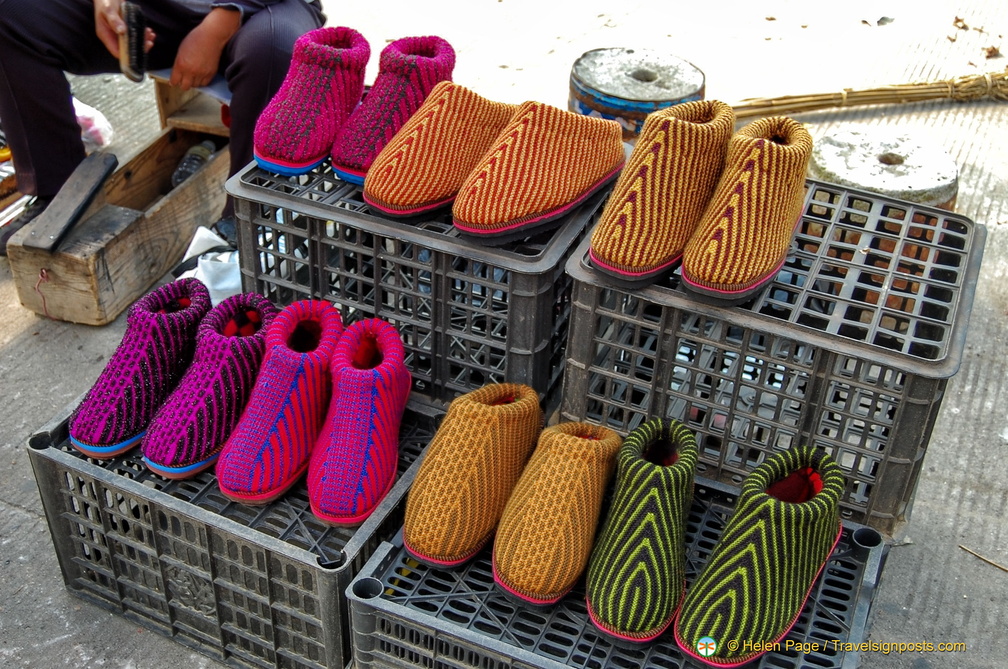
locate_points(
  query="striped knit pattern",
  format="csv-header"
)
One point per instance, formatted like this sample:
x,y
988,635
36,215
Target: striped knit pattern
x,y
662,191
637,570
296,129
269,448
744,234
354,461
544,162
188,432
546,531
756,580
408,70
154,352
425,163
470,468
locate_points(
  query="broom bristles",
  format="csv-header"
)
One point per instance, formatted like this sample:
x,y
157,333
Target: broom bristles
x,y
969,88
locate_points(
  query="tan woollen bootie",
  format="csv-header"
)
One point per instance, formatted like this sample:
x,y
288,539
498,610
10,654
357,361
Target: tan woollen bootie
x,y
662,191
469,471
743,237
545,535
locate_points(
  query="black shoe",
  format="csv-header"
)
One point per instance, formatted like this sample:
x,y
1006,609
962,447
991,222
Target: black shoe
x,y
227,229
34,207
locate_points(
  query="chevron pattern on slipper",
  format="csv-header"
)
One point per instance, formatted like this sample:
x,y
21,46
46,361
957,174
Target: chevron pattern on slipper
x,y
661,193
637,570
743,237
777,540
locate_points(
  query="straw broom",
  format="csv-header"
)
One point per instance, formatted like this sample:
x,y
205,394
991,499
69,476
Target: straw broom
x,y
969,88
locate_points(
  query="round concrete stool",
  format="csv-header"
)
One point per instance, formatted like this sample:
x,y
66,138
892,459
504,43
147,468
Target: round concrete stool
x,y
883,161
626,85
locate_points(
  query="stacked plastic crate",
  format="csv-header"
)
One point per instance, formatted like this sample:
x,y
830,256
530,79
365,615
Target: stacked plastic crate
x,y
849,349
263,587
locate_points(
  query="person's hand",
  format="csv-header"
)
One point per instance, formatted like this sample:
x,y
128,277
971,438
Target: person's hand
x,y
109,25
198,57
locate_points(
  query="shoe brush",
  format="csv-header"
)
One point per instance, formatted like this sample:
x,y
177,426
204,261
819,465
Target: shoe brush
x,y
132,57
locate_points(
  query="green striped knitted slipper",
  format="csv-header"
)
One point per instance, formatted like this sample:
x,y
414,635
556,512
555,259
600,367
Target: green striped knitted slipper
x,y
763,567
636,573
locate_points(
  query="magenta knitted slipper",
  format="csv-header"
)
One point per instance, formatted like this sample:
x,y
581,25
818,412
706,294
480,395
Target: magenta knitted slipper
x,y
269,448
408,69
154,352
354,462
295,132
187,433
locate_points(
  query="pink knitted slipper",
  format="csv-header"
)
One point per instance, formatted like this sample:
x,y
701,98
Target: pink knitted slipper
x,y
354,462
295,132
151,358
269,449
409,68
187,433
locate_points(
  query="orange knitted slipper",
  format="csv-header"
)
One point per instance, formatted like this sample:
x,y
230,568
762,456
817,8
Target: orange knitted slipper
x,y
545,535
543,164
425,162
469,470
661,193
743,236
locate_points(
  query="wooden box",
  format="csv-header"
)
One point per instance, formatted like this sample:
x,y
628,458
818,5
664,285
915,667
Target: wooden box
x,y
135,231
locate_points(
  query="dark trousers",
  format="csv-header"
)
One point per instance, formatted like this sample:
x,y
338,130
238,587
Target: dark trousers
x,y
42,39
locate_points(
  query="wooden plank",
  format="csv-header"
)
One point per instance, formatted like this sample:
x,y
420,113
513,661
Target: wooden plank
x,y
114,256
48,229
202,114
188,110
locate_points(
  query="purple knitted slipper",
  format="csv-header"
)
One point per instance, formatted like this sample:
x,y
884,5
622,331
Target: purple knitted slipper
x,y
154,352
187,433
295,132
408,69
269,448
354,461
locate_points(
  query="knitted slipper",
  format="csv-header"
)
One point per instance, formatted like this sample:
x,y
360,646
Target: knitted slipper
x,y
408,69
546,531
743,236
151,358
544,163
187,433
756,581
637,570
469,470
295,131
272,443
660,195
425,163
354,461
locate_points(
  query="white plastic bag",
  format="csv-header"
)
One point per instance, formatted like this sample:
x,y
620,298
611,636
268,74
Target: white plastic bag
x,y
96,131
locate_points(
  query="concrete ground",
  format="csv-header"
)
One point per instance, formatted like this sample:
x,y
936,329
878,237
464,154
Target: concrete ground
x,y
512,50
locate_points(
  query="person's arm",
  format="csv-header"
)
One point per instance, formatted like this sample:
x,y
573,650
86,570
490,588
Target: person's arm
x,y
199,54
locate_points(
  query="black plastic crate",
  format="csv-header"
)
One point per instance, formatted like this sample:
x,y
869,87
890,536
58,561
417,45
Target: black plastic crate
x,y
405,614
850,349
251,586
469,314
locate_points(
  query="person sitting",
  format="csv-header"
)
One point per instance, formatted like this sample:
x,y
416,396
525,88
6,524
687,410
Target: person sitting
x,y
249,42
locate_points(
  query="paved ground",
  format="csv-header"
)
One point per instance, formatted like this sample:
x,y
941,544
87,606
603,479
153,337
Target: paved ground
x,y
513,50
